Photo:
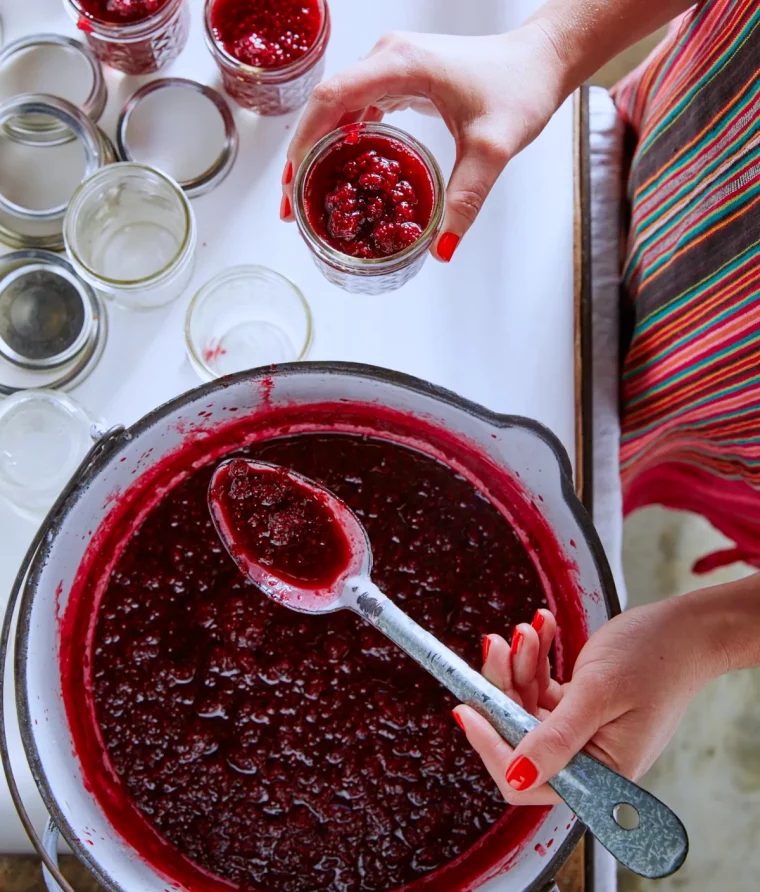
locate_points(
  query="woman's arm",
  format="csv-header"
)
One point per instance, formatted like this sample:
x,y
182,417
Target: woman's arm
x,y
630,685
586,34
495,93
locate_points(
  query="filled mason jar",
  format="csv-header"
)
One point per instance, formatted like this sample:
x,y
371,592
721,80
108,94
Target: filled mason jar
x,y
130,233
139,37
368,201
271,53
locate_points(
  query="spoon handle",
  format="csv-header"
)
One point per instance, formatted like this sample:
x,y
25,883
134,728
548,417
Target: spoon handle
x,y
655,848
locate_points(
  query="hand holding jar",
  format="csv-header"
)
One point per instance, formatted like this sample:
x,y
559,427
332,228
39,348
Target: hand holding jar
x,y
494,93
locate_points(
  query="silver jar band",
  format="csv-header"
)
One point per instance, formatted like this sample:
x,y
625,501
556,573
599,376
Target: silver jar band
x,y
83,129
89,349
34,131
205,180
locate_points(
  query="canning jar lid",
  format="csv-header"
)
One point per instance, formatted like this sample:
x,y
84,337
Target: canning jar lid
x,y
181,127
55,65
52,324
38,179
246,316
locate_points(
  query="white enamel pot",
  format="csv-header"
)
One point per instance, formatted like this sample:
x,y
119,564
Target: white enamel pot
x,y
528,451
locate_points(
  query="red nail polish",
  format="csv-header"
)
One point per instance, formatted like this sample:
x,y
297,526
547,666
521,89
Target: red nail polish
x,y
517,640
447,244
521,774
486,647
458,719
287,174
285,208
538,621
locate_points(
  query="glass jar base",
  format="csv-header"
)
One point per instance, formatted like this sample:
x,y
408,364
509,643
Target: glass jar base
x,y
355,283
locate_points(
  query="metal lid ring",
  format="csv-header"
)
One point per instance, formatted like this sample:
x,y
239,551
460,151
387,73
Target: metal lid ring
x,y
206,180
32,131
76,121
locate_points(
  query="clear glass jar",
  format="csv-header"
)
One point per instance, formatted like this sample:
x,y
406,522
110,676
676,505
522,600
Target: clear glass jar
x,y
245,317
380,274
130,233
44,436
139,47
271,91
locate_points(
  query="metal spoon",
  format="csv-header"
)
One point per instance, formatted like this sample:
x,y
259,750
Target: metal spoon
x,y
653,843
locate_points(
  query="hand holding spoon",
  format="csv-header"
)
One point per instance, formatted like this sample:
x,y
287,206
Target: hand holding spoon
x,y
305,548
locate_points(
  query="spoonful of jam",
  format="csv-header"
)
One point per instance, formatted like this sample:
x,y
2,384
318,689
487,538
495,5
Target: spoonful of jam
x,y
305,548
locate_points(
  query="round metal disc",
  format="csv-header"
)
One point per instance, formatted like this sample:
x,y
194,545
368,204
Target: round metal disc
x,y
182,127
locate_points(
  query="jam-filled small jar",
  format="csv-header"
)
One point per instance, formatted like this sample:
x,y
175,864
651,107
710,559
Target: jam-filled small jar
x,y
368,201
271,53
133,36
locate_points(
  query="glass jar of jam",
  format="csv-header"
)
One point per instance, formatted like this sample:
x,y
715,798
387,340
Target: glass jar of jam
x,y
369,202
133,36
271,53
130,233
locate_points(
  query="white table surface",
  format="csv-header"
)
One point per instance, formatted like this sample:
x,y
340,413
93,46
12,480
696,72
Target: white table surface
x,y
496,325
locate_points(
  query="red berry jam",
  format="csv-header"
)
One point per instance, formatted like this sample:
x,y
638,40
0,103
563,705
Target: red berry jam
x,y
288,753
266,33
134,36
273,521
121,12
369,195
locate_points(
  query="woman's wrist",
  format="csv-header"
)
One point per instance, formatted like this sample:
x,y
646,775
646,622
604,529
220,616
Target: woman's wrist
x,y
723,621
585,35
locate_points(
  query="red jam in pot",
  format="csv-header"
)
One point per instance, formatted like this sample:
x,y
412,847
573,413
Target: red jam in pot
x,y
369,196
266,33
121,12
237,744
274,522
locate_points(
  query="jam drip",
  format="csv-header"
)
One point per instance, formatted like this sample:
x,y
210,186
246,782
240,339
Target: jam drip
x,y
290,753
370,196
275,522
266,33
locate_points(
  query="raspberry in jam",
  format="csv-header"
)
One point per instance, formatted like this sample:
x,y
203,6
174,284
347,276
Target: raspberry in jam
x,y
133,36
270,52
266,33
268,519
369,202
369,196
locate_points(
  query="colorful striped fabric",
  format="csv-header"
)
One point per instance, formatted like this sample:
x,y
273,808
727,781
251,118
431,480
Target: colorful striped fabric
x,y
691,373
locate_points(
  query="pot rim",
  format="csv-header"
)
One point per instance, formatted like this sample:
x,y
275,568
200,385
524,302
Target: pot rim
x,y
81,480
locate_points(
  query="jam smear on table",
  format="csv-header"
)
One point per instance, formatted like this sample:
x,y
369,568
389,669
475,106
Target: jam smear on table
x,y
274,521
369,196
266,33
121,12
291,753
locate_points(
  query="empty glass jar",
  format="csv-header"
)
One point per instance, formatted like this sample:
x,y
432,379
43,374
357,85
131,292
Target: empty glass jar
x,y
130,232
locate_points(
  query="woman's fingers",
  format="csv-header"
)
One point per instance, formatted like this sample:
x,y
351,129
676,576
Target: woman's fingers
x,y
497,755
344,98
480,160
497,665
564,732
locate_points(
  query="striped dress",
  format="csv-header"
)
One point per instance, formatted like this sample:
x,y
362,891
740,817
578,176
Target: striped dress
x,y
691,281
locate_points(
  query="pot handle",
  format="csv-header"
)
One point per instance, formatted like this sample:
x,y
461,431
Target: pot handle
x,y
50,841
104,443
